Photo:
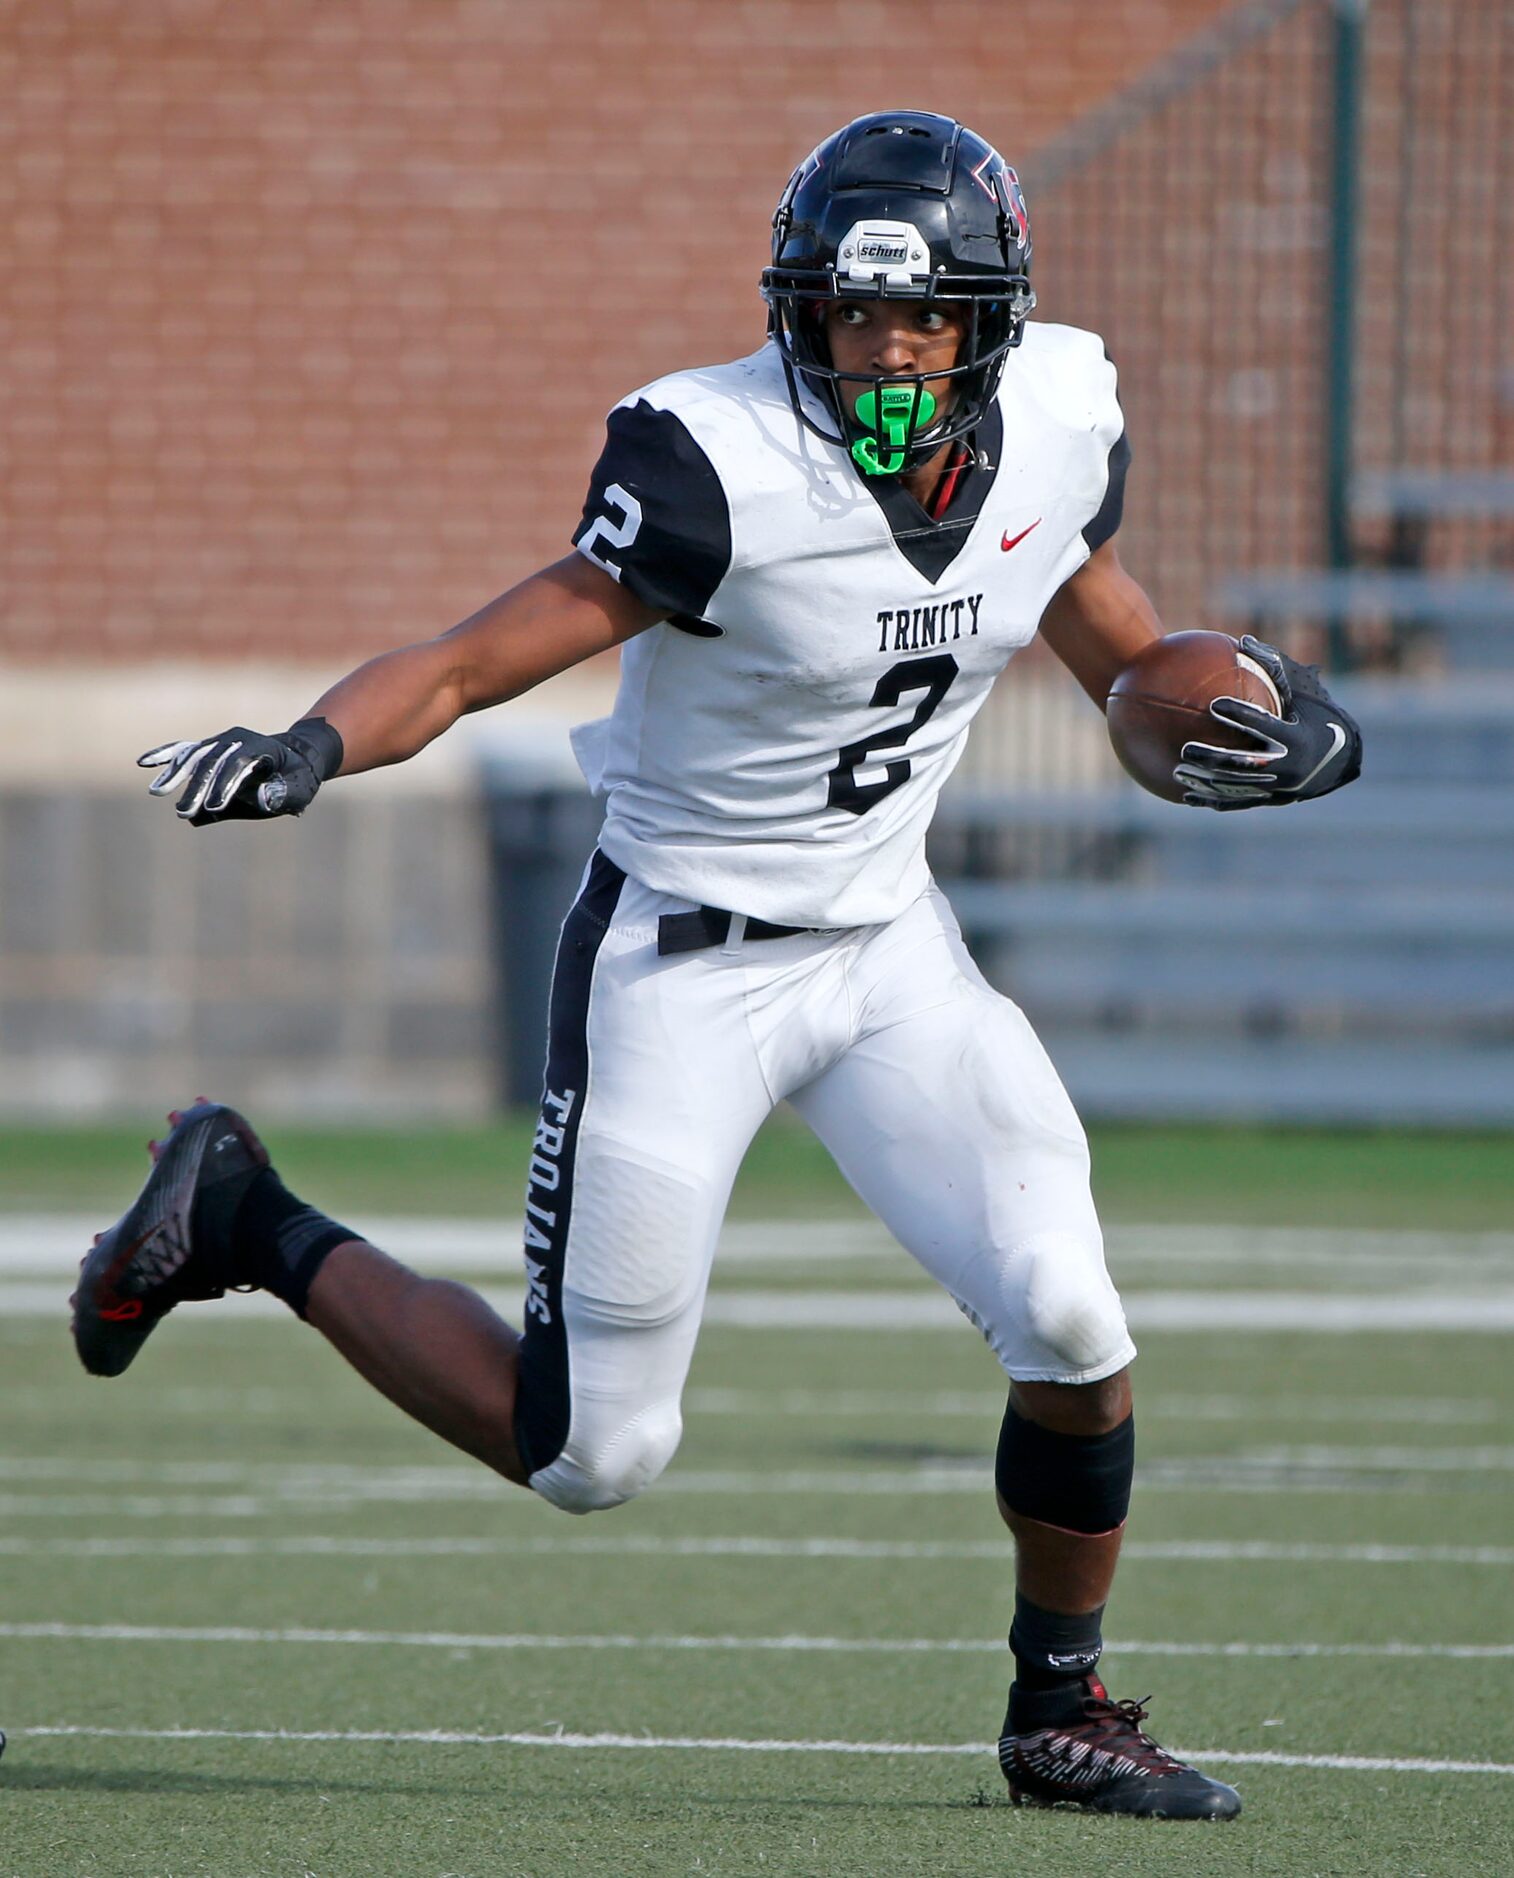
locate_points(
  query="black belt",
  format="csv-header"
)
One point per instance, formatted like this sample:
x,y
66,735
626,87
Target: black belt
x,y
711,926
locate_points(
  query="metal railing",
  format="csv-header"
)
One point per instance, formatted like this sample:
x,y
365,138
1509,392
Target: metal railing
x,y
338,964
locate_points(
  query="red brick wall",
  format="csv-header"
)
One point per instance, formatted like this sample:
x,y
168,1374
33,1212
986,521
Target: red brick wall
x,y
312,308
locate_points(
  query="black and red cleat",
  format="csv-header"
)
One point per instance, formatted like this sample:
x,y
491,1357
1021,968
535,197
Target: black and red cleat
x,y
153,1258
1085,1750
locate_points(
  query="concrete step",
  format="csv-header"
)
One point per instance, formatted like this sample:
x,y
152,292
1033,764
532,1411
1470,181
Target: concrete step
x,y
1432,836
1457,731
1247,961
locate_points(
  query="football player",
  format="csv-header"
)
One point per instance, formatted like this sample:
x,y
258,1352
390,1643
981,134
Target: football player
x,y
816,561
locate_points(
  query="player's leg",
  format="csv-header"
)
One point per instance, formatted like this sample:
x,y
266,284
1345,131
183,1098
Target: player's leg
x,y
432,1346
1080,1435
214,1216
653,1093
644,1122
949,1120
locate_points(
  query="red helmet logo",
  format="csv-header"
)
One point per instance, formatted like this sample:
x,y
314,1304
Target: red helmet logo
x,y
1018,213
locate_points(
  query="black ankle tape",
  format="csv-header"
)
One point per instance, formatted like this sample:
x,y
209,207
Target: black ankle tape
x,y
1051,1647
1078,1482
304,1245
280,1242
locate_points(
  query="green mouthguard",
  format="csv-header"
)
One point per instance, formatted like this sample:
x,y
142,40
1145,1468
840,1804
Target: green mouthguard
x,y
898,407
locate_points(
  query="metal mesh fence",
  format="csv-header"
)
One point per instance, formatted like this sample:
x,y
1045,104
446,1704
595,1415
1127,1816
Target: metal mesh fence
x,y
1434,351
1190,228
1298,230
338,964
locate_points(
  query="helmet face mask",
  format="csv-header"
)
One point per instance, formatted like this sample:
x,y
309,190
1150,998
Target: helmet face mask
x,y
899,206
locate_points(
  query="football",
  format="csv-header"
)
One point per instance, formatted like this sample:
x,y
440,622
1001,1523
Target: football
x,y
1161,700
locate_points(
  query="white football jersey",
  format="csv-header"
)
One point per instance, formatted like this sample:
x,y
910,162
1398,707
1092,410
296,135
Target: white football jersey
x,y
779,741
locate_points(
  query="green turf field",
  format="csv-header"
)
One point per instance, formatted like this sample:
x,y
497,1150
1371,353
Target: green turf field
x,y
1355,1177
254,1623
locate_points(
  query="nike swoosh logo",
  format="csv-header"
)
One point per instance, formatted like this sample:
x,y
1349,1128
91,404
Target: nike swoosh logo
x,y
1337,744
1013,541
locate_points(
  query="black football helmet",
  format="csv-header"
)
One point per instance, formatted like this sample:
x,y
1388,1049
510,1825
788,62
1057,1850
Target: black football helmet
x,y
900,205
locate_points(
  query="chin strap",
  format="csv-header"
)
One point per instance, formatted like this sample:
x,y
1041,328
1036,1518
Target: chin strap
x,y
905,411
946,488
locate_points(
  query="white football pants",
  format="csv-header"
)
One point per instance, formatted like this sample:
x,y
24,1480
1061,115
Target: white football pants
x,y
929,1088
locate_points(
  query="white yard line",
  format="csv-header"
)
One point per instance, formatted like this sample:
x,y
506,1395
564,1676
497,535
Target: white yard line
x,y
267,1488
1321,1411
961,1404
563,1738
51,1244
1336,1312
302,1636
1478,1460
146,1506
199,1400
922,1309
240,1506
1266,1551
304,1480
1311,1248
45,1242
994,1551
299,1479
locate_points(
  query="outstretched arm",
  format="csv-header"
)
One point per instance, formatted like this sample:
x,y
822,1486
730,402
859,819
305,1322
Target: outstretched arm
x,y
1098,621
400,701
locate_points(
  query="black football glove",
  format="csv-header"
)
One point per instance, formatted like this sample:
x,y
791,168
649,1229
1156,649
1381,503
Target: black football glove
x,y
1312,748
242,776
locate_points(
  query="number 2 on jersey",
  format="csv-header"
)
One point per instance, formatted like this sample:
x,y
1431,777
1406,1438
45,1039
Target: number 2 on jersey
x,y
613,533
934,677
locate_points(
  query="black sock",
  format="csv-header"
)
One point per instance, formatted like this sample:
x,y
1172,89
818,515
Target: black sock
x,y
276,1241
1053,1651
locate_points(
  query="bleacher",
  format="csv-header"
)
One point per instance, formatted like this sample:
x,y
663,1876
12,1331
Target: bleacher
x,y
1465,618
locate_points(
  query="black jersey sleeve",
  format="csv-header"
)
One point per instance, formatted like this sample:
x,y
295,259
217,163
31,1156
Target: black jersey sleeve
x,y
657,516
1112,508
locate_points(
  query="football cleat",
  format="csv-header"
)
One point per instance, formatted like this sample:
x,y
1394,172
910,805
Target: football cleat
x,y
1093,1753
151,1259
